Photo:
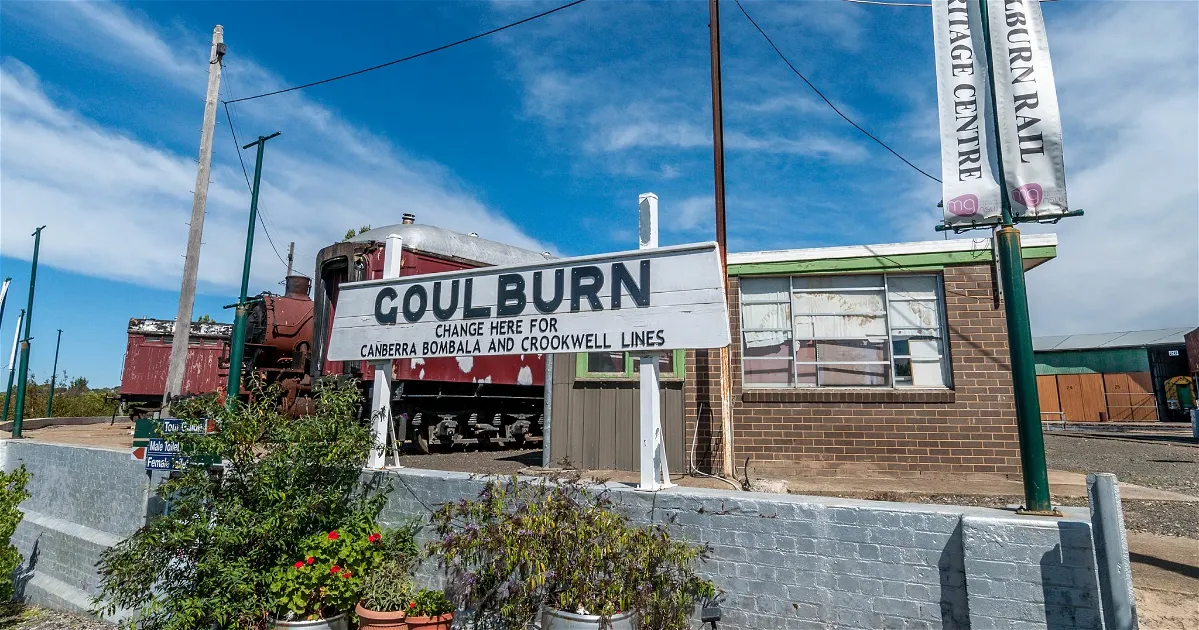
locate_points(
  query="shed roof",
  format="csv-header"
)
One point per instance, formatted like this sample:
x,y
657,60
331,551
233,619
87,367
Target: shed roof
x,y
448,243
1128,339
1037,249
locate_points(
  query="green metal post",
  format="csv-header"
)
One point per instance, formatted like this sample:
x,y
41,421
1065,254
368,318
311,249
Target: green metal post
x,y
1019,329
238,343
53,377
19,412
12,367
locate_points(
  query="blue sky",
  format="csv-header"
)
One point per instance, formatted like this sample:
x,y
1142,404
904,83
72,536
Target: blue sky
x,y
544,135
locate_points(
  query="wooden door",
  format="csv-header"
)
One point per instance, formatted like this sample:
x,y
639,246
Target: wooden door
x,y
1092,396
1069,389
1140,391
1119,401
1047,393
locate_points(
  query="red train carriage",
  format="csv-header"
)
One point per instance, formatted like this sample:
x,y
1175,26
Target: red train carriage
x,y
148,354
492,399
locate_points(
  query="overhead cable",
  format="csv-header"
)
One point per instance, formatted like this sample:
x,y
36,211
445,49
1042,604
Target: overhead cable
x,y
411,57
246,174
825,98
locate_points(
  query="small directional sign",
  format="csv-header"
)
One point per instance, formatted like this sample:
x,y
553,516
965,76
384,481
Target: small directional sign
x,y
159,446
161,453
155,461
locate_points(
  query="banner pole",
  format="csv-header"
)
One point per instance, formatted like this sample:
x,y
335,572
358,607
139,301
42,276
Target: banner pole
x,y
1019,329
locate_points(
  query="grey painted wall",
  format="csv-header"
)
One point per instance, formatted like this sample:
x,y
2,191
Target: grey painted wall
x,y
786,561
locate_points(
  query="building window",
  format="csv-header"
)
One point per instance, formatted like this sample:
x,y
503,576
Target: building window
x,y
844,331
623,365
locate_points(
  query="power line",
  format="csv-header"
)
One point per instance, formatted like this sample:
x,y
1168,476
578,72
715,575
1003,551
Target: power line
x,y
825,98
411,57
246,174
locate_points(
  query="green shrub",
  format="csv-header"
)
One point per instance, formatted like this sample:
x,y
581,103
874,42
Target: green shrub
x,y
429,603
12,493
210,560
522,545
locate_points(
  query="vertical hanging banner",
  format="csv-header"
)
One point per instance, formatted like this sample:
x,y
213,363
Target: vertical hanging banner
x,y
1030,126
970,191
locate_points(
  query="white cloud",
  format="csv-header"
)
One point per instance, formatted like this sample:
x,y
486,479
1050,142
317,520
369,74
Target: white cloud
x,y
1130,103
689,215
117,205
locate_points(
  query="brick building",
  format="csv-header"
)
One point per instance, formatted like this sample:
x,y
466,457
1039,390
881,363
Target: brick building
x,y
880,359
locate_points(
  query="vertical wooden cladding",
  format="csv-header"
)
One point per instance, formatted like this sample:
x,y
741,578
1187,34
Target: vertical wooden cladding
x,y
1047,393
596,424
1130,396
1125,396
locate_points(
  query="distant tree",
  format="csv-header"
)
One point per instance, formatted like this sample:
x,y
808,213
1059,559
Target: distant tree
x,y
364,228
77,385
206,319
349,234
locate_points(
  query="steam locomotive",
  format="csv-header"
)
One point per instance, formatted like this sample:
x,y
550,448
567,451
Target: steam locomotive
x,y
492,401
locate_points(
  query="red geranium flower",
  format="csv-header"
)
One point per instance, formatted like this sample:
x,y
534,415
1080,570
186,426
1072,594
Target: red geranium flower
x,y
333,535
412,604
310,560
346,574
299,564
334,569
373,537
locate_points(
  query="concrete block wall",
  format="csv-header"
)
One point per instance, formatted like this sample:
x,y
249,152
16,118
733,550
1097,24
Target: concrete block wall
x,y
786,561
83,500
789,561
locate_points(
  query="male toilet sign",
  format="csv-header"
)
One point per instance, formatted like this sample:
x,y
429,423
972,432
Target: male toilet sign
x,y
646,300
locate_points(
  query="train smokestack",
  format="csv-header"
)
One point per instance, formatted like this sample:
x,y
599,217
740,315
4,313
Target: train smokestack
x,y
298,286
408,219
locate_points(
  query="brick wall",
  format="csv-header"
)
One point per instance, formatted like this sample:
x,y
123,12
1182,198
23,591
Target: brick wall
x,y
970,428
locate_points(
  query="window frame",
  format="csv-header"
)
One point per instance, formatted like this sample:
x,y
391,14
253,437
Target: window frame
x,y
582,373
944,358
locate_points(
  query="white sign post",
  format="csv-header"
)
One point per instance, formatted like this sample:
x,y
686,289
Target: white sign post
x,y
381,391
655,473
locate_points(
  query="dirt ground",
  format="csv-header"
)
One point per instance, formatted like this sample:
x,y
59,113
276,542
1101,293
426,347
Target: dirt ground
x,y
20,617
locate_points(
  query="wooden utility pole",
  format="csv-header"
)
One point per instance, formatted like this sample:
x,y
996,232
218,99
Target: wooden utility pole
x,y
727,467
291,256
191,264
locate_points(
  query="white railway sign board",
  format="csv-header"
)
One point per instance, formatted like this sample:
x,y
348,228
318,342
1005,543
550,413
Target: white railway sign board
x,y
646,300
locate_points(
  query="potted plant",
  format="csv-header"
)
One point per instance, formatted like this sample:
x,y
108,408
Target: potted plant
x,y
387,589
430,610
317,590
561,553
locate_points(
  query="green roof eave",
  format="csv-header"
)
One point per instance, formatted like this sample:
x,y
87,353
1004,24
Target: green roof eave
x,y
1033,256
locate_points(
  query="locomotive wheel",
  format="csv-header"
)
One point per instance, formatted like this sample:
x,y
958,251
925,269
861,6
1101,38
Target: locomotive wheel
x,y
425,446
488,441
422,442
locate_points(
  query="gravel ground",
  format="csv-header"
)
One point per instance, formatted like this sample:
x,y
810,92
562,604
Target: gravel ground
x,y
19,617
1165,462
505,462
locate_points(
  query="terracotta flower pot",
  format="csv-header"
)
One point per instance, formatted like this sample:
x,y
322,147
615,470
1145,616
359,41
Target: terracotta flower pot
x,y
380,620
440,622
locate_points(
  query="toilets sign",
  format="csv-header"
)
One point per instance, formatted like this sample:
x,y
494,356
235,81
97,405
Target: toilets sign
x,y
646,300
